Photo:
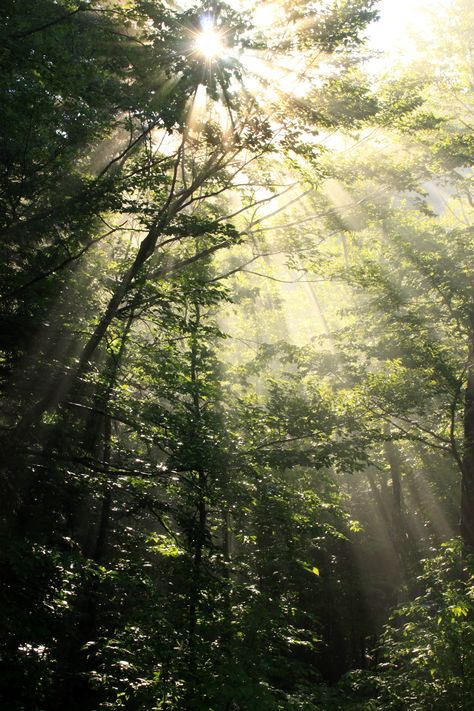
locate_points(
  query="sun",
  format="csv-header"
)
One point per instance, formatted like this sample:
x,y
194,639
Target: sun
x,y
209,41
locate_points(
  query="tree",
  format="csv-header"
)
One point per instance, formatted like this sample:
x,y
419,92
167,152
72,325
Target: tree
x,y
188,515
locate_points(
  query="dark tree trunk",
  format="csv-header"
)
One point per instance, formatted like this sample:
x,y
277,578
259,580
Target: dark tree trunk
x,y
104,520
64,384
198,531
199,536
467,475
398,519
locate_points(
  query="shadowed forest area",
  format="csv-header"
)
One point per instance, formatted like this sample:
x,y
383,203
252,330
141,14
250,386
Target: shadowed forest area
x,y
236,356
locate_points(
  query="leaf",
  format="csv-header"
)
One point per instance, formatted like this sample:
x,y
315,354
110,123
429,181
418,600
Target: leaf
x,y
310,568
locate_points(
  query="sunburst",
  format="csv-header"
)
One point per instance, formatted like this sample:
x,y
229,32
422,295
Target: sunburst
x,y
209,41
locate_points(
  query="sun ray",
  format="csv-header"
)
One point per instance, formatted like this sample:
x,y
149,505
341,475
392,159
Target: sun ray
x,y
209,41
197,109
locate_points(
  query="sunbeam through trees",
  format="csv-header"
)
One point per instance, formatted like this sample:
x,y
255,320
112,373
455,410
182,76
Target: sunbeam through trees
x,y
237,355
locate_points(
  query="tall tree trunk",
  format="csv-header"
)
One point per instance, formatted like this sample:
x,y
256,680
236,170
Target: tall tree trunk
x,y
226,536
379,497
79,692
106,505
467,474
199,531
106,508
392,456
199,541
227,555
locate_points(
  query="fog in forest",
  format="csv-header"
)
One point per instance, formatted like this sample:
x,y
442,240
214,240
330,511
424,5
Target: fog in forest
x,y
237,355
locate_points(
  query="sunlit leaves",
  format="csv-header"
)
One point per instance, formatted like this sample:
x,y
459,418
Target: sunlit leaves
x,y
427,655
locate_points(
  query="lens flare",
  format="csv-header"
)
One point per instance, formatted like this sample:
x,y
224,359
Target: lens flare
x,y
209,42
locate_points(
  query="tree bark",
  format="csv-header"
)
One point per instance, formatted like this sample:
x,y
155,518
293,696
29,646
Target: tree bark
x,y
198,533
106,508
467,473
398,523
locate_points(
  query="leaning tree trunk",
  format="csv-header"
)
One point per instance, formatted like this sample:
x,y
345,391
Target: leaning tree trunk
x,y
63,385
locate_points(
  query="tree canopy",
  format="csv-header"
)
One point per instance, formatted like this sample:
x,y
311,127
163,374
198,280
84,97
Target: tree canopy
x,y
236,358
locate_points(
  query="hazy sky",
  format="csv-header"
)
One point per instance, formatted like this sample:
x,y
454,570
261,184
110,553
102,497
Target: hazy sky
x,y
393,34
397,19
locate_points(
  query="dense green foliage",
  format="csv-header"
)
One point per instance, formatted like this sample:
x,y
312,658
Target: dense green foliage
x,y
236,365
